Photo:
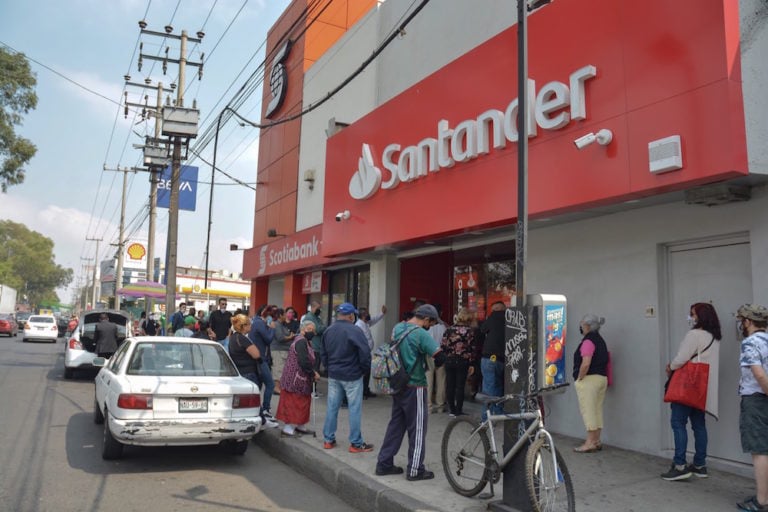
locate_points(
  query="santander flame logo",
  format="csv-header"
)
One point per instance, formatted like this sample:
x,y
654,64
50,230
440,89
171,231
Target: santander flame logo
x,y
366,180
262,260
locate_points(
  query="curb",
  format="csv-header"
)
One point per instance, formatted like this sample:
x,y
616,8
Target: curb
x,y
356,488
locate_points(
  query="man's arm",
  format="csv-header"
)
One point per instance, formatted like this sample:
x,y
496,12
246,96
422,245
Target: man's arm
x,y
760,377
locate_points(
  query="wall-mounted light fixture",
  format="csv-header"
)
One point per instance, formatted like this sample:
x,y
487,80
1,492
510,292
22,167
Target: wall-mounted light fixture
x,y
309,177
602,137
334,127
272,233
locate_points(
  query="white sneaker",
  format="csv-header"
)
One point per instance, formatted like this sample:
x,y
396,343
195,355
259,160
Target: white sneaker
x,y
270,423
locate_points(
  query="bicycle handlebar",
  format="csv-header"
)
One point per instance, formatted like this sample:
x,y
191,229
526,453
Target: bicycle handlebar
x,y
488,399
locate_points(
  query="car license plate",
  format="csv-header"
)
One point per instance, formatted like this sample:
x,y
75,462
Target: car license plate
x,y
40,328
193,405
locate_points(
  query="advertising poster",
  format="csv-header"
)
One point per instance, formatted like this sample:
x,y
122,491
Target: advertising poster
x,y
554,355
466,288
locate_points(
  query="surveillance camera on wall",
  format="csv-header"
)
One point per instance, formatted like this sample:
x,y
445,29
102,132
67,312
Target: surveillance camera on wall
x,y
602,137
345,215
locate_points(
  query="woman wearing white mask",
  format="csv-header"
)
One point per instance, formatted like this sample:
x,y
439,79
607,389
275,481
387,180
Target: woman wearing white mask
x,y
701,344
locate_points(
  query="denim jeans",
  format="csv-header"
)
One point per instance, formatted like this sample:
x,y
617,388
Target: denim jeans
x,y
224,343
265,379
493,382
679,421
354,392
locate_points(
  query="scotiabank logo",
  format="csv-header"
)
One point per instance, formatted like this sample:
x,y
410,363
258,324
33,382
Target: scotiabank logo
x,y
554,106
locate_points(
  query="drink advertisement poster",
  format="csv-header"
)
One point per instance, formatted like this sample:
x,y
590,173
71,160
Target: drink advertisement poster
x,y
554,353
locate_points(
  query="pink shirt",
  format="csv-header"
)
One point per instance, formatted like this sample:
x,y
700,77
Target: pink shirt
x,y
587,348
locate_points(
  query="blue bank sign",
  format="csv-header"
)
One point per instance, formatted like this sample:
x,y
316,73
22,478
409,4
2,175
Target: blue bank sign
x,y
187,188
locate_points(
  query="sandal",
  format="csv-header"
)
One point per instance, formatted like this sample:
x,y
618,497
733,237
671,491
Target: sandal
x,y
751,505
581,449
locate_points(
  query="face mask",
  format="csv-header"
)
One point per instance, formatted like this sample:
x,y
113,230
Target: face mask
x,y
581,330
691,321
309,335
317,312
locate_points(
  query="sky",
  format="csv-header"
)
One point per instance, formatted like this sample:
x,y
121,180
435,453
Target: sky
x,y
80,51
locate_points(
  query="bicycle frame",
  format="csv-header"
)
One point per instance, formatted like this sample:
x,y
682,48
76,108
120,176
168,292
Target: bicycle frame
x,y
537,424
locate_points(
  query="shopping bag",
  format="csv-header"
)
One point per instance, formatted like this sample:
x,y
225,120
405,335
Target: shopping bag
x,y
688,385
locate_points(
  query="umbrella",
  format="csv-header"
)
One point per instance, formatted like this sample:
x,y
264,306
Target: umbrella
x,y
144,289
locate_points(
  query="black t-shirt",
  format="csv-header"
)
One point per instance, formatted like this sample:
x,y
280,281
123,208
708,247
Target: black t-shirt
x,y
493,328
238,345
220,322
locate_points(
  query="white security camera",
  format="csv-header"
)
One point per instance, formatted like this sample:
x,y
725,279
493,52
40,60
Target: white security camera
x,y
345,215
339,216
602,137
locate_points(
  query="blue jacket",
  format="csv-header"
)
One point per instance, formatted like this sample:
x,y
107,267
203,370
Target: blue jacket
x,y
344,351
261,335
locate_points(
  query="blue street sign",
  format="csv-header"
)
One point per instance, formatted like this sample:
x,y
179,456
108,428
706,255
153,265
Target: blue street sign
x,y
187,188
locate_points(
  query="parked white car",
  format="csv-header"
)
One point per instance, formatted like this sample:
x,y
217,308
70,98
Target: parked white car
x,y
80,349
41,327
168,391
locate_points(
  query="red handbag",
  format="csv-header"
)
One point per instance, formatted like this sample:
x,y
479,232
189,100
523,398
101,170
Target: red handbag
x,y
688,385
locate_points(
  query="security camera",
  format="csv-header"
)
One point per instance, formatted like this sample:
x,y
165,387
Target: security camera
x,y
345,215
602,137
585,140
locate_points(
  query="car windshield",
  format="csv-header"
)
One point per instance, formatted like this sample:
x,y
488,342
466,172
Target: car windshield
x,y
180,359
42,319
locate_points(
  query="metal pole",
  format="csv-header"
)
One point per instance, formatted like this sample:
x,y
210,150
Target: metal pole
x,y
173,207
153,173
120,243
521,235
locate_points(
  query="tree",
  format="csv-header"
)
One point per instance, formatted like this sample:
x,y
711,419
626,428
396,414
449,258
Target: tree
x,y
17,97
27,263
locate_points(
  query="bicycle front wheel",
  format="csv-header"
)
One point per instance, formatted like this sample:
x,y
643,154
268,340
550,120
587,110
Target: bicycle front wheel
x,y
466,454
549,482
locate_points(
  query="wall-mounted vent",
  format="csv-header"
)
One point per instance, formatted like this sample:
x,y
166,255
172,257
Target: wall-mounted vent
x,y
665,155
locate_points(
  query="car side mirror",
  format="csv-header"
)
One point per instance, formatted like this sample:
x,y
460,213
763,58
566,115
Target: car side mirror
x,y
99,362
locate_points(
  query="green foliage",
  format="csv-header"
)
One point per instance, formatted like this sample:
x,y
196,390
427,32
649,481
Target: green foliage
x,y
17,97
27,264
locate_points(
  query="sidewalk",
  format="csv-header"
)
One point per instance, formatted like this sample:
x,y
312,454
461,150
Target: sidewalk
x,y
607,481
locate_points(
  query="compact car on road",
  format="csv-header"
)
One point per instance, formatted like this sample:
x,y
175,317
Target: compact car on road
x,y
8,325
41,327
80,348
168,391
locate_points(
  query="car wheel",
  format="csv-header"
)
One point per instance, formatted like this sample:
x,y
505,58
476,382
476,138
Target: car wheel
x,y
98,418
68,373
23,340
236,447
112,449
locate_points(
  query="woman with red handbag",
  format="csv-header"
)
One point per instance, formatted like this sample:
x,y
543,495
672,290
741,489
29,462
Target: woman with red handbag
x,y
700,345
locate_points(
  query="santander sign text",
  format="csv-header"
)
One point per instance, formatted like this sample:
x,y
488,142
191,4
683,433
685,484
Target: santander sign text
x,y
552,108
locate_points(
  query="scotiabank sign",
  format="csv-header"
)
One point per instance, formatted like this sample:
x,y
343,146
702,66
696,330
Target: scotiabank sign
x,y
441,157
555,105
297,251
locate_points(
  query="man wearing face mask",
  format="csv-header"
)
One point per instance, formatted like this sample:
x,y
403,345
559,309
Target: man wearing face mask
x,y
753,389
219,324
409,408
364,322
177,319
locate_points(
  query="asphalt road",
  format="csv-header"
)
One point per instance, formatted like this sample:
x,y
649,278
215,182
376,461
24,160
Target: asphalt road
x,y
50,455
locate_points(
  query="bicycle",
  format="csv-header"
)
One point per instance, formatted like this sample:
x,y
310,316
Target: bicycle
x,y
471,458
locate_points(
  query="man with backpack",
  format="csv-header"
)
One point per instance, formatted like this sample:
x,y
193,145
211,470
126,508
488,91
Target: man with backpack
x,y
409,407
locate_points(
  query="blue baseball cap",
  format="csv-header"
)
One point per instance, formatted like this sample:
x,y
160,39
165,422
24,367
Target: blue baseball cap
x,y
346,309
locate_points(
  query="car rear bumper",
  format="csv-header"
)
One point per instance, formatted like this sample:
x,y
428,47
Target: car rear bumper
x,y
41,335
183,432
74,358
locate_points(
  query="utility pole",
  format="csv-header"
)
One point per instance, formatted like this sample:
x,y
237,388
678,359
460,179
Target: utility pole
x,y
180,124
121,235
95,264
84,292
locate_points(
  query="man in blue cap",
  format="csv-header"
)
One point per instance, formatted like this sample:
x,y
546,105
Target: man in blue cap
x,y
345,354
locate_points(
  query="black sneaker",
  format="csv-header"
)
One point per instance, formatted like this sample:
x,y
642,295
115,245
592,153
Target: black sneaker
x,y
677,474
425,475
392,470
699,471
